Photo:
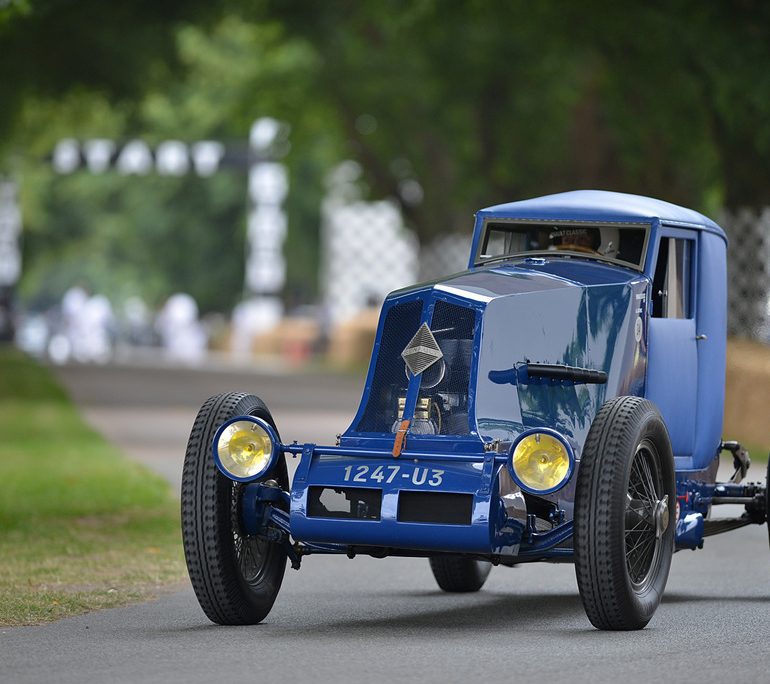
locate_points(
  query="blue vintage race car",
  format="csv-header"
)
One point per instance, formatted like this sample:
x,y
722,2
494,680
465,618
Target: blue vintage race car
x,y
561,400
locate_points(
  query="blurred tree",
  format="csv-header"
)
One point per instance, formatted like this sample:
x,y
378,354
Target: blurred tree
x,y
448,106
157,235
727,54
51,47
490,101
692,78
695,81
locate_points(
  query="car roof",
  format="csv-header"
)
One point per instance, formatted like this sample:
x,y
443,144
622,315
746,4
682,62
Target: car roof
x,y
601,205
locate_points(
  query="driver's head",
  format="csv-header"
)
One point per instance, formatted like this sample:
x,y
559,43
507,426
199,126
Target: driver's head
x,y
576,240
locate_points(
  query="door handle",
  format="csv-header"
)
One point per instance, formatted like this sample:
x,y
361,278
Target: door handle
x,y
700,337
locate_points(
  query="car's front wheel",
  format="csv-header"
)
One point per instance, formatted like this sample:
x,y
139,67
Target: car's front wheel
x,y
625,508
236,576
457,574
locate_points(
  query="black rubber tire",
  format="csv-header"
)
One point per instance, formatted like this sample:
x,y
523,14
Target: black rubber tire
x,y
623,427
456,574
767,498
210,524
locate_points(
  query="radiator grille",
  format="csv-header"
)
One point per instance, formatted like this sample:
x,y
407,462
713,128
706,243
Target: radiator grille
x,y
390,380
453,327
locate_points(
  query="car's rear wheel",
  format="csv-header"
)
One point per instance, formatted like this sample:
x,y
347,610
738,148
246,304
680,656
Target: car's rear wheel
x,y
625,508
457,574
236,577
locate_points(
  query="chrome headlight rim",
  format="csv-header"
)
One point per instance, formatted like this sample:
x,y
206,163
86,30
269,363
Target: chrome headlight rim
x,y
274,442
551,433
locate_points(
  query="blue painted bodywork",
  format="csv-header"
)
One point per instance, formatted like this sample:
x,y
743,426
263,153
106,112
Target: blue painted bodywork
x,y
594,206
578,313
586,312
684,379
460,475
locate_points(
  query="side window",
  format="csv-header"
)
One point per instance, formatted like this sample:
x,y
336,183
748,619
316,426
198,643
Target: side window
x,y
672,285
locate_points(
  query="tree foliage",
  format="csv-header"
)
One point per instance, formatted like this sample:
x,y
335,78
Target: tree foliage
x,y
156,235
497,101
51,47
447,106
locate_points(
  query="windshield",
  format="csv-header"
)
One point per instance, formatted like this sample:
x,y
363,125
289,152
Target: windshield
x,y
618,243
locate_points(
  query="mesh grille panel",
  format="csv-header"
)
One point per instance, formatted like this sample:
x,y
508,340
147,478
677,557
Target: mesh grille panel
x,y
390,380
453,327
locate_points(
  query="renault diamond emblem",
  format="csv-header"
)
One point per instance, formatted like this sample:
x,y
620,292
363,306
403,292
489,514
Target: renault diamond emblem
x,y
422,351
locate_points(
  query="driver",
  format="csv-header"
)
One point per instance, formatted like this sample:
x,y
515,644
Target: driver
x,y
586,240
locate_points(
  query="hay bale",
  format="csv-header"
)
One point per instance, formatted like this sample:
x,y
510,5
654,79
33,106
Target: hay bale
x,y
351,342
747,393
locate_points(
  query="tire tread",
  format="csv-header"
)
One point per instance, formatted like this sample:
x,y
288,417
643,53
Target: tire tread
x,y
456,574
206,523
599,559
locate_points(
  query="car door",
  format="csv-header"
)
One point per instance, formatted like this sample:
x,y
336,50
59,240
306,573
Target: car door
x,y
672,363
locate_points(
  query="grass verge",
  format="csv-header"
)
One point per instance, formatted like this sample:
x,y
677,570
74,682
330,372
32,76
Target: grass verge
x,y
81,527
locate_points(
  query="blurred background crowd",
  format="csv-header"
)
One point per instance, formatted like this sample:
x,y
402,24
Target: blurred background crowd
x,y
241,178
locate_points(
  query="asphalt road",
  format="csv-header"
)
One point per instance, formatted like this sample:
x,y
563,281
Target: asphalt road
x,y
148,411
367,620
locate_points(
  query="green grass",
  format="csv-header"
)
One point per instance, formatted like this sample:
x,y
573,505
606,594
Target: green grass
x,y
81,527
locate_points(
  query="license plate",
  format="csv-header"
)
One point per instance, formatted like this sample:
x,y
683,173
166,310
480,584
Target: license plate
x,y
393,474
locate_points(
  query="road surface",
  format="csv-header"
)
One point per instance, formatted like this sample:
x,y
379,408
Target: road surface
x,y
370,620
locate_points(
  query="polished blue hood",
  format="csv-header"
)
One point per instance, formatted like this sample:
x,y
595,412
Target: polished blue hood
x,y
563,312
534,274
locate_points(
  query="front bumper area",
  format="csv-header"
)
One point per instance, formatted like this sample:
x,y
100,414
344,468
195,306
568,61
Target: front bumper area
x,y
419,501
382,524
421,504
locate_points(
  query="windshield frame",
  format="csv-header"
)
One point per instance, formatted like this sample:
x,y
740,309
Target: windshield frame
x,y
491,223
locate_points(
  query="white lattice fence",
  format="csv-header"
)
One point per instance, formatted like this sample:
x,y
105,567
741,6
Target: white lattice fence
x,y
748,272
444,255
367,252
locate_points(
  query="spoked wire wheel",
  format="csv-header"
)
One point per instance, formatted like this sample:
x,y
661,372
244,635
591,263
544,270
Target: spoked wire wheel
x,y
252,553
624,514
646,516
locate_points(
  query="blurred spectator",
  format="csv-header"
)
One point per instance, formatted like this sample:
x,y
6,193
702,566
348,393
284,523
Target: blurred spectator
x,y
94,343
252,318
62,343
72,305
137,323
182,335
86,330
32,335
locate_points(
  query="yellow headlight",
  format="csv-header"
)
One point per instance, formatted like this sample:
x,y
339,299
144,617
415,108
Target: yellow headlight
x,y
244,449
540,462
